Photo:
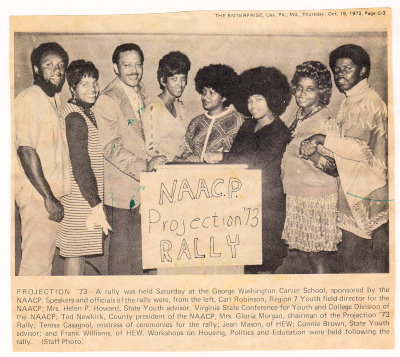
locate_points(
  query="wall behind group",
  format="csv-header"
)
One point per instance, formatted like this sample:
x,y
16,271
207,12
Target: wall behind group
x,y
284,51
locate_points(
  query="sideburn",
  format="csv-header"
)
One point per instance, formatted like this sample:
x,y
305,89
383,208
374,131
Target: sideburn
x,y
49,88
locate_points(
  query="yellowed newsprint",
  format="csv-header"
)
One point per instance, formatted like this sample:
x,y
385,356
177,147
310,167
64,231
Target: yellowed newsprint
x,y
203,224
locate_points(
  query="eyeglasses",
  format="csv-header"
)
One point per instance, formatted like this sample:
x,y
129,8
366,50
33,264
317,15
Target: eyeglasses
x,y
344,70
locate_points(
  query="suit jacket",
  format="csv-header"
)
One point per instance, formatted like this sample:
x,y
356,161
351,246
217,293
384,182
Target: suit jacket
x,y
122,139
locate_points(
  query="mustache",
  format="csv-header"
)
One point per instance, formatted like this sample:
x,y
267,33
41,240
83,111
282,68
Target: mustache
x,y
48,87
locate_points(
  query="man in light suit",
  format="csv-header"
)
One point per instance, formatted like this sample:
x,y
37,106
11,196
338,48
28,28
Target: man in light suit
x,y
118,114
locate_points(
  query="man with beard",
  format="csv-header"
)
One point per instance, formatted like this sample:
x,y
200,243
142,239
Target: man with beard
x,y
42,172
118,113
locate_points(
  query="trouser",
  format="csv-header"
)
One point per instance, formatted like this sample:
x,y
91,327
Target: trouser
x,y
299,262
362,255
38,239
125,246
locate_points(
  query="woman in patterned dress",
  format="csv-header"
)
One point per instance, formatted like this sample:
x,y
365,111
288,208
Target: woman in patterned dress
x,y
80,232
310,182
216,129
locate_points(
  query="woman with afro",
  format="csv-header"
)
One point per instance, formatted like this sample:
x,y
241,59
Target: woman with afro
x,y
215,130
260,143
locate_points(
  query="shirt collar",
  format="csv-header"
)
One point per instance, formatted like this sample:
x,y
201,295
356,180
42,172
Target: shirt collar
x,y
55,100
358,88
129,90
226,111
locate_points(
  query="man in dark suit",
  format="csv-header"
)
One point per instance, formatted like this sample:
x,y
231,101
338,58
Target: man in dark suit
x,y
118,114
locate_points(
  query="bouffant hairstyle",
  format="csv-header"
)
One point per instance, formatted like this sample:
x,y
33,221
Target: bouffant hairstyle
x,y
80,69
173,63
269,82
125,48
45,48
357,54
221,78
320,74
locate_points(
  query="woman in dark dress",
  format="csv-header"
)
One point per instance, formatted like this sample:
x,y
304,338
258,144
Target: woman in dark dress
x,y
260,143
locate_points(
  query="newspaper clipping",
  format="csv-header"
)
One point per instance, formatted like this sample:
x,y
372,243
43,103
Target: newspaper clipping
x,y
203,181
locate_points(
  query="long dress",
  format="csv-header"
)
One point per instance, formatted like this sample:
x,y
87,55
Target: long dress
x,y
87,181
263,150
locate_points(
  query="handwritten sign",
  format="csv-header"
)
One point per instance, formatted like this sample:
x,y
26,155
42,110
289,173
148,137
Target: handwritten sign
x,y
201,215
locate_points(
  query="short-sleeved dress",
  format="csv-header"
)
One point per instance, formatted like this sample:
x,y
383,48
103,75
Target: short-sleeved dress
x,y
87,182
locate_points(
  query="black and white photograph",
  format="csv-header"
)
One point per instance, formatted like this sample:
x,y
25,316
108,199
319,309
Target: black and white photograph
x,y
203,181
316,125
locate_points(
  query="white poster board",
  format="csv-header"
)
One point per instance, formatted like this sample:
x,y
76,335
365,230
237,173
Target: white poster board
x,y
201,215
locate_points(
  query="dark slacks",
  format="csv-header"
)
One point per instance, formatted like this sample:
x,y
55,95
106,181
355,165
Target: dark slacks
x,y
125,247
299,262
361,255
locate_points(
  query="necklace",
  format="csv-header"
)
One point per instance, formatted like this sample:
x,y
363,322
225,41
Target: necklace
x,y
300,118
170,107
